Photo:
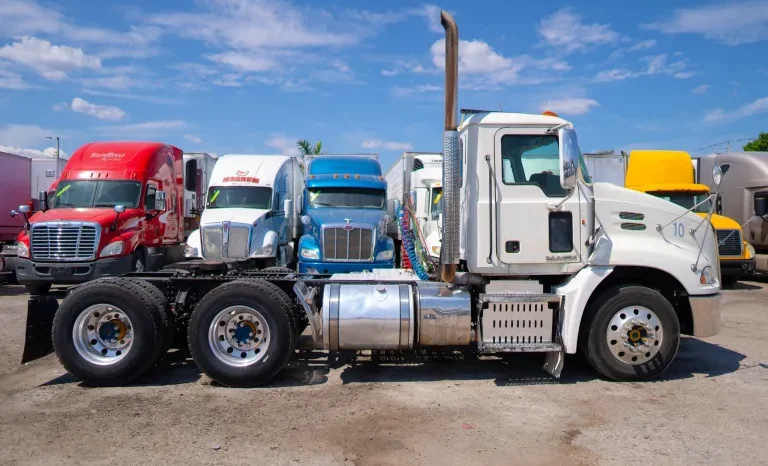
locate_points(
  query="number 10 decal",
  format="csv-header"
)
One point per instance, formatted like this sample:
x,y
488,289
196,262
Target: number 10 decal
x,y
679,229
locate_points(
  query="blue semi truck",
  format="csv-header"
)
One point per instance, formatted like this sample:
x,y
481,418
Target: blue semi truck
x,y
344,215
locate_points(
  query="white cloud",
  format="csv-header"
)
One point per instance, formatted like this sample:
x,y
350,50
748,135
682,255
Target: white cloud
x,y
730,23
573,106
399,91
193,138
102,112
145,127
386,145
244,61
51,61
11,80
228,80
286,145
48,152
145,98
482,68
642,45
701,89
759,106
60,106
565,31
655,65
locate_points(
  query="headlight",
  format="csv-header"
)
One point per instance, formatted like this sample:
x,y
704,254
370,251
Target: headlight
x,y
385,255
307,253
189,251
21,249
113,249
707,277
750,251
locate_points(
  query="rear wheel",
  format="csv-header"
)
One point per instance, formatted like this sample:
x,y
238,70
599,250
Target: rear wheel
x,y
38,288
241,334
630,333
108,331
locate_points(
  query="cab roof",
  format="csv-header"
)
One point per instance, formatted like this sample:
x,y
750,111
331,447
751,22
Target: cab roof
x,y
511,119
659,167
112,156
341,165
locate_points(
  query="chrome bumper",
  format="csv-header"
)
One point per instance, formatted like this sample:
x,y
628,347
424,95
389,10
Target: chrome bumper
x,y
706,315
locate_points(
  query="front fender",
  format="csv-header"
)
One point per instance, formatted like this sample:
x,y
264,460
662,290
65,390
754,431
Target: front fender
x,y
258,243
308,242
576,293
193,241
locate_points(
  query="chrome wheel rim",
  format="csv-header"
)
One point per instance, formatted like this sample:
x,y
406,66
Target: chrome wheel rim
x,y
103,334
239,336
634,335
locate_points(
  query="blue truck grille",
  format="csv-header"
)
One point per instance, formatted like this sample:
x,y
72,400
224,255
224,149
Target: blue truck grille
x,y
345,244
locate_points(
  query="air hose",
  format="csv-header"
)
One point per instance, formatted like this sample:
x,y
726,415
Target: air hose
x,y
405,225
410,246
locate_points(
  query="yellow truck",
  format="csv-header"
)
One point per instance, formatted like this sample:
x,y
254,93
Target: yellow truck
x,y
669,175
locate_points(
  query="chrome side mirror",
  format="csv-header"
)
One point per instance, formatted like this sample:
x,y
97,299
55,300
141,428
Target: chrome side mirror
x,y
717,174
569,157
119,208
306,220
24,209
288,207
160,200
393,208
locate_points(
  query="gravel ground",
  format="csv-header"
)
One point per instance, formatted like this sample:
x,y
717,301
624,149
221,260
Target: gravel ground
x,y
708,408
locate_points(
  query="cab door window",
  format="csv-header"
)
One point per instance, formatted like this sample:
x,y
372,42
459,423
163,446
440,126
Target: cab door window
x,y
532,160
150,198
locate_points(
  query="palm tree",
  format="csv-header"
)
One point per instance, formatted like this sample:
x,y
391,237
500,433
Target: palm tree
x,y
306,147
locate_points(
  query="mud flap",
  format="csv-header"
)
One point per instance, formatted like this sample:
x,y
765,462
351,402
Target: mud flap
x,y
38,342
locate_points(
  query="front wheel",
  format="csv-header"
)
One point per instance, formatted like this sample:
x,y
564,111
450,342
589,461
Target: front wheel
x,y
241,334
630,333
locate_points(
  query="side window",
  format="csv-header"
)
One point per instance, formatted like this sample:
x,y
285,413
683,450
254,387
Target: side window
x,y
532,159
149,199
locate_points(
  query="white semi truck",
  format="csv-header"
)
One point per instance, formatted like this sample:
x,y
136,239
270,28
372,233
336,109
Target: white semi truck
x,y
534,259
415,181
249,211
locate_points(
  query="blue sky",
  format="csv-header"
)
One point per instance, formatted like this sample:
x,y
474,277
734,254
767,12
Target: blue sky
x,y
253,76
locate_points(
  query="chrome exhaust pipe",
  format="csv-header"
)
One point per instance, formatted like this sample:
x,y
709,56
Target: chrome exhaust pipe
x,y
449,257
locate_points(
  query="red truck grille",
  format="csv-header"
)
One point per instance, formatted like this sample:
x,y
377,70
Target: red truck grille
x,y
65,241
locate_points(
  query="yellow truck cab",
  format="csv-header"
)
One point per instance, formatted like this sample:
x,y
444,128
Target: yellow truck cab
x,y
669,175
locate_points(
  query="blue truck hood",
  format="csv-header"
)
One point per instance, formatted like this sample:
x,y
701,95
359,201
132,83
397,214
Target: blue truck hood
x,y
331,216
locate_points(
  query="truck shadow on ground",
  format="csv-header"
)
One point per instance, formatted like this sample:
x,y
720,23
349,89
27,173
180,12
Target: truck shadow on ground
x,y
312,368
742,286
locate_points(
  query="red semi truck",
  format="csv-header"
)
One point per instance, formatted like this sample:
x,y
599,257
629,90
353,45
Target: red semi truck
x,y
117,207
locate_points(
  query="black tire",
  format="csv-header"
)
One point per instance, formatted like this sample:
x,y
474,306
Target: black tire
x,y
595,347
163,308
730,280
139,258
271,302
138,303
38,288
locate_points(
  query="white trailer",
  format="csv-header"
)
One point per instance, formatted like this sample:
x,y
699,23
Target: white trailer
x,y
607,167
249,211
416,181
198,168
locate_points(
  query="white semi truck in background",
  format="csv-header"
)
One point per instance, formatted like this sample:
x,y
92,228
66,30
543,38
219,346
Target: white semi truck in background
x,y
415,182
249,211
534,258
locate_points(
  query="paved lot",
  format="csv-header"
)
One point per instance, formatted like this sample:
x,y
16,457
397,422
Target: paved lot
x,y
710,407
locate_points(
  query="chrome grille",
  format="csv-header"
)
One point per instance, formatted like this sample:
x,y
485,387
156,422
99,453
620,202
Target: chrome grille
x,y
226,241
729,242
350,244
212,242
237,244
65,241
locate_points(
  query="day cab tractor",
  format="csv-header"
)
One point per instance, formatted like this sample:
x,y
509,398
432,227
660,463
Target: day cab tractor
x,y
534,258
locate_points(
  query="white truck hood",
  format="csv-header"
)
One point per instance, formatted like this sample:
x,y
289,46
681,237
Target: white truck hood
x,y
231,214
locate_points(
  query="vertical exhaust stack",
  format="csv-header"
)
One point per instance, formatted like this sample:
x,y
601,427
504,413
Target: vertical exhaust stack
x,y
451,154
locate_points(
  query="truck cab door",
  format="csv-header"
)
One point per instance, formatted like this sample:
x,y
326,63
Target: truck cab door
x,y
536,221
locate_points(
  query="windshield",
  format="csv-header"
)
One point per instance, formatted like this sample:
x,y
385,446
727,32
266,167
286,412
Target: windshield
x,y
246,197
97,194
437,203
354,198
687,200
